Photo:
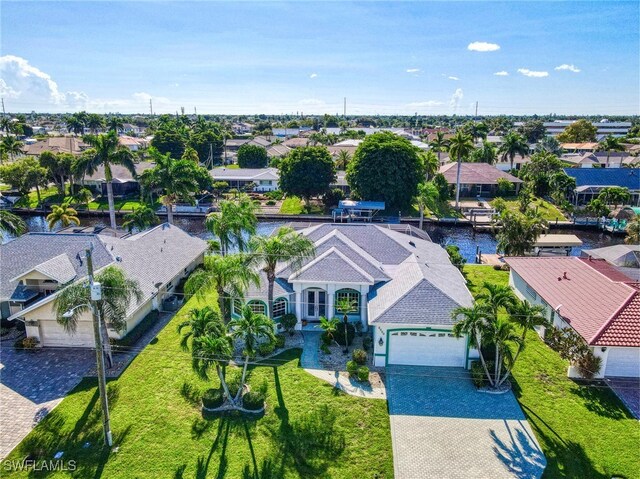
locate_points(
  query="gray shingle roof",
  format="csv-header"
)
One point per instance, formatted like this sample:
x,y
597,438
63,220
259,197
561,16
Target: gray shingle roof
x,y
333,267
59,268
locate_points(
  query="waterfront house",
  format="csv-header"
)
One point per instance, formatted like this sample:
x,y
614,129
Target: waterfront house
x,y
591,181
263,179
123,182
57,144
478,179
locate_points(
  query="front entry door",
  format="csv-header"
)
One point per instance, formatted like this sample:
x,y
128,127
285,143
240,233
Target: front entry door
x,y
316,304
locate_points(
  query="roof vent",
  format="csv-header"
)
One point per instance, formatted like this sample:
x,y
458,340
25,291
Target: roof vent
x,y
412,244
564,275
119,259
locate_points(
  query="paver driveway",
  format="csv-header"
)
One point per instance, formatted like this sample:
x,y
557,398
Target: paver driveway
x,y
32,384
443,428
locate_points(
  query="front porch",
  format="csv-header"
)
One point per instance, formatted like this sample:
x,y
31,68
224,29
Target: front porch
x,y
312,303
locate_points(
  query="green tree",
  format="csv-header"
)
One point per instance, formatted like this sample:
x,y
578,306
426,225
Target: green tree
x,y
460,147
11,224
11,146
614,195
513,144
190,155
533,130
444,190
63,214
207,142
83,196
95,122
598,208
234,221
286,246
200,323
215,349
24,174
252,156
633,231
59,166
107,152
172,142
609,144
343,159
386,167
427,198
519,233
538,172
580,131
431,164
476,130
528,317
115,123
485,154
549,144
473,322
75,124
140,218
329,326
439,144
307,172
562,186
497,297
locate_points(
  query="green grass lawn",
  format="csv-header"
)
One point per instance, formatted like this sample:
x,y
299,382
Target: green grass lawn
x,y
584,431
50,196
309,429
295,206
547,210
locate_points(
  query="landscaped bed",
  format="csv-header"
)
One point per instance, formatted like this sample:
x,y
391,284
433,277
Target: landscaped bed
x,y
584,430
308,429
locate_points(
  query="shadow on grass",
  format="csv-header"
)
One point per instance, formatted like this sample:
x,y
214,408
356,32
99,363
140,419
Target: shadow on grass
x,y
600,399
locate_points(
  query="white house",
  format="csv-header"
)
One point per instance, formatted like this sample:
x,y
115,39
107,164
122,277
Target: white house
x,y
404,286
36,265
264,179
591,296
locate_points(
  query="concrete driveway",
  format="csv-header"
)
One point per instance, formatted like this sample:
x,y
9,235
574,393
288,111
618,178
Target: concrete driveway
x,y
32,384
441,427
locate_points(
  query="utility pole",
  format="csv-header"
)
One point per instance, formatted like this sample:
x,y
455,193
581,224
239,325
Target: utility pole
x,y
476,110
95,290
4,113
150,106
344,110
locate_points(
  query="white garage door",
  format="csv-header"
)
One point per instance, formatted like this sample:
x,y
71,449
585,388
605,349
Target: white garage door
x,y
53,334
623,362
426,348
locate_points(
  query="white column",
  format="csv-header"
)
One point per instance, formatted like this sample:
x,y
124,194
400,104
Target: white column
x,y
298,300
331,293
363,306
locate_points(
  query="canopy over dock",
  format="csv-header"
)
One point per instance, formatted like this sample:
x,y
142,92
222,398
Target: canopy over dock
x,y
556,244
350,210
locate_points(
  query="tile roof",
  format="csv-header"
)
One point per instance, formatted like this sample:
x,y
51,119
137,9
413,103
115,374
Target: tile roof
x,y
587,293
476,173
625,177
57,144
119,172
624,328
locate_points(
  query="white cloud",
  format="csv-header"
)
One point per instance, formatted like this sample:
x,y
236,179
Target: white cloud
x,y
425,104
483,47
502,74
571,68
534,74
76,100
311,102
22,81
413,70
313,75
456,98
453,78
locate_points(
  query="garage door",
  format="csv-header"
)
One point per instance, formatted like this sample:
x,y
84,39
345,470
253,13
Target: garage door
x,y
623,362
425,348
53,334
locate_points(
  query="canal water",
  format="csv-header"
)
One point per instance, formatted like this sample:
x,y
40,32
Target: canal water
x,y
462,236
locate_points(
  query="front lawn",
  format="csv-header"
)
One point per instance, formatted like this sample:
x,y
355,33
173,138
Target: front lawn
x,y
295,206
547,210
308,430
584,431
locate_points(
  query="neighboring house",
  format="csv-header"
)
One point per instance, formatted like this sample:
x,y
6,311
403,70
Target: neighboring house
x,y
590,296
278,151
334,150
133,129
604,127
58,144
351,143
614,159
36,265
134,144
264,179
624,257
296,142
123,182
580,148
341,182
591,181
402,286
518,161
234,144
478,179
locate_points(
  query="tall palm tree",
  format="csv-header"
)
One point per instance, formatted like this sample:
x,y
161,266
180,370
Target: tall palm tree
x,y
95,122
431,164
6,124
215,349
609,144
11,146
343,159
513,144
250,328
75,125
286,246
460,146
502,333
519,233
235,220
140,218
118,292
439,143
63,214
200,323
230,275
115,123
497,297
528,316
11,224
345,306
427,195
108,152
473,322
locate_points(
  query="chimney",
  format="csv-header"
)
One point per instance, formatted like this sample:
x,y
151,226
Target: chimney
x,y
564,275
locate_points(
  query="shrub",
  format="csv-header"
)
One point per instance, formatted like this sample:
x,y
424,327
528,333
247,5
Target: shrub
x,y
455,256
280,341
289,322
213,398
352,368
266,348
325,338
325,348
588,365
271,203
26,343
505,187
140,329
339,334
363,374
367,343
333,197
359,356
253,400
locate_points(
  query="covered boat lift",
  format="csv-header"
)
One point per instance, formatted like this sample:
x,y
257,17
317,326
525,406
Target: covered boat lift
x,y
357,211
550,244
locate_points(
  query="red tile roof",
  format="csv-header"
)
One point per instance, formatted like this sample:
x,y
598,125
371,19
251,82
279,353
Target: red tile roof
x,y
610,271
590,301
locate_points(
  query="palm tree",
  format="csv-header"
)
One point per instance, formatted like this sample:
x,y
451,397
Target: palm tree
x,y
95,122
609,144
115,123
549,144
11,146
75,124
497,297
431,163
460,146
502,333
439,143
213,349
427,195
286,246
519,233
140,218
343,159
528,316
250,328
118,292
83,196
230,275
63,214
6,124
329,326
513,144
473,322
200,323
233,222
345,306
108,152
11,224
633,231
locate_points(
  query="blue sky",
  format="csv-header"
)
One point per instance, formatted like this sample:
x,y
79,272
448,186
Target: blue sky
x,y
268,57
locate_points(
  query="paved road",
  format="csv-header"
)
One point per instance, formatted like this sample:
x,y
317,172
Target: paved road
x,y
442,428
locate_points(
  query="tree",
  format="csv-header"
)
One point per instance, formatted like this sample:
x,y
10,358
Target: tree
x,y
460,146
344,306
170,141
609,144
215,349
250,328
519,233
63,214
580,131
485,154
549,144
633,231
252,156
230,275
497,297
598,208
24,174
614,195
431,164
343,159
116,124
95,122
386,167
206,142
513,144
200,323
539,171
140,218
108,152
11,224
59,166
307,172
444,190
562,186
190,155
476,130
528,317
118,293
439,143
473,322
427,197
455,256
83,196
234,221
75,124
11,146
532,130
330,326
502,334
286,246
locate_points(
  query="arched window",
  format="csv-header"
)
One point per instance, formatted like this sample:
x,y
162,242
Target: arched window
x,y
279,307
352,296
257,307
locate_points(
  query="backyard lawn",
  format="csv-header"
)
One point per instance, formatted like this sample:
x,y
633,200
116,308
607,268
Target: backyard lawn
x,y
547,210
50,195
295,206
584,431
308,430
